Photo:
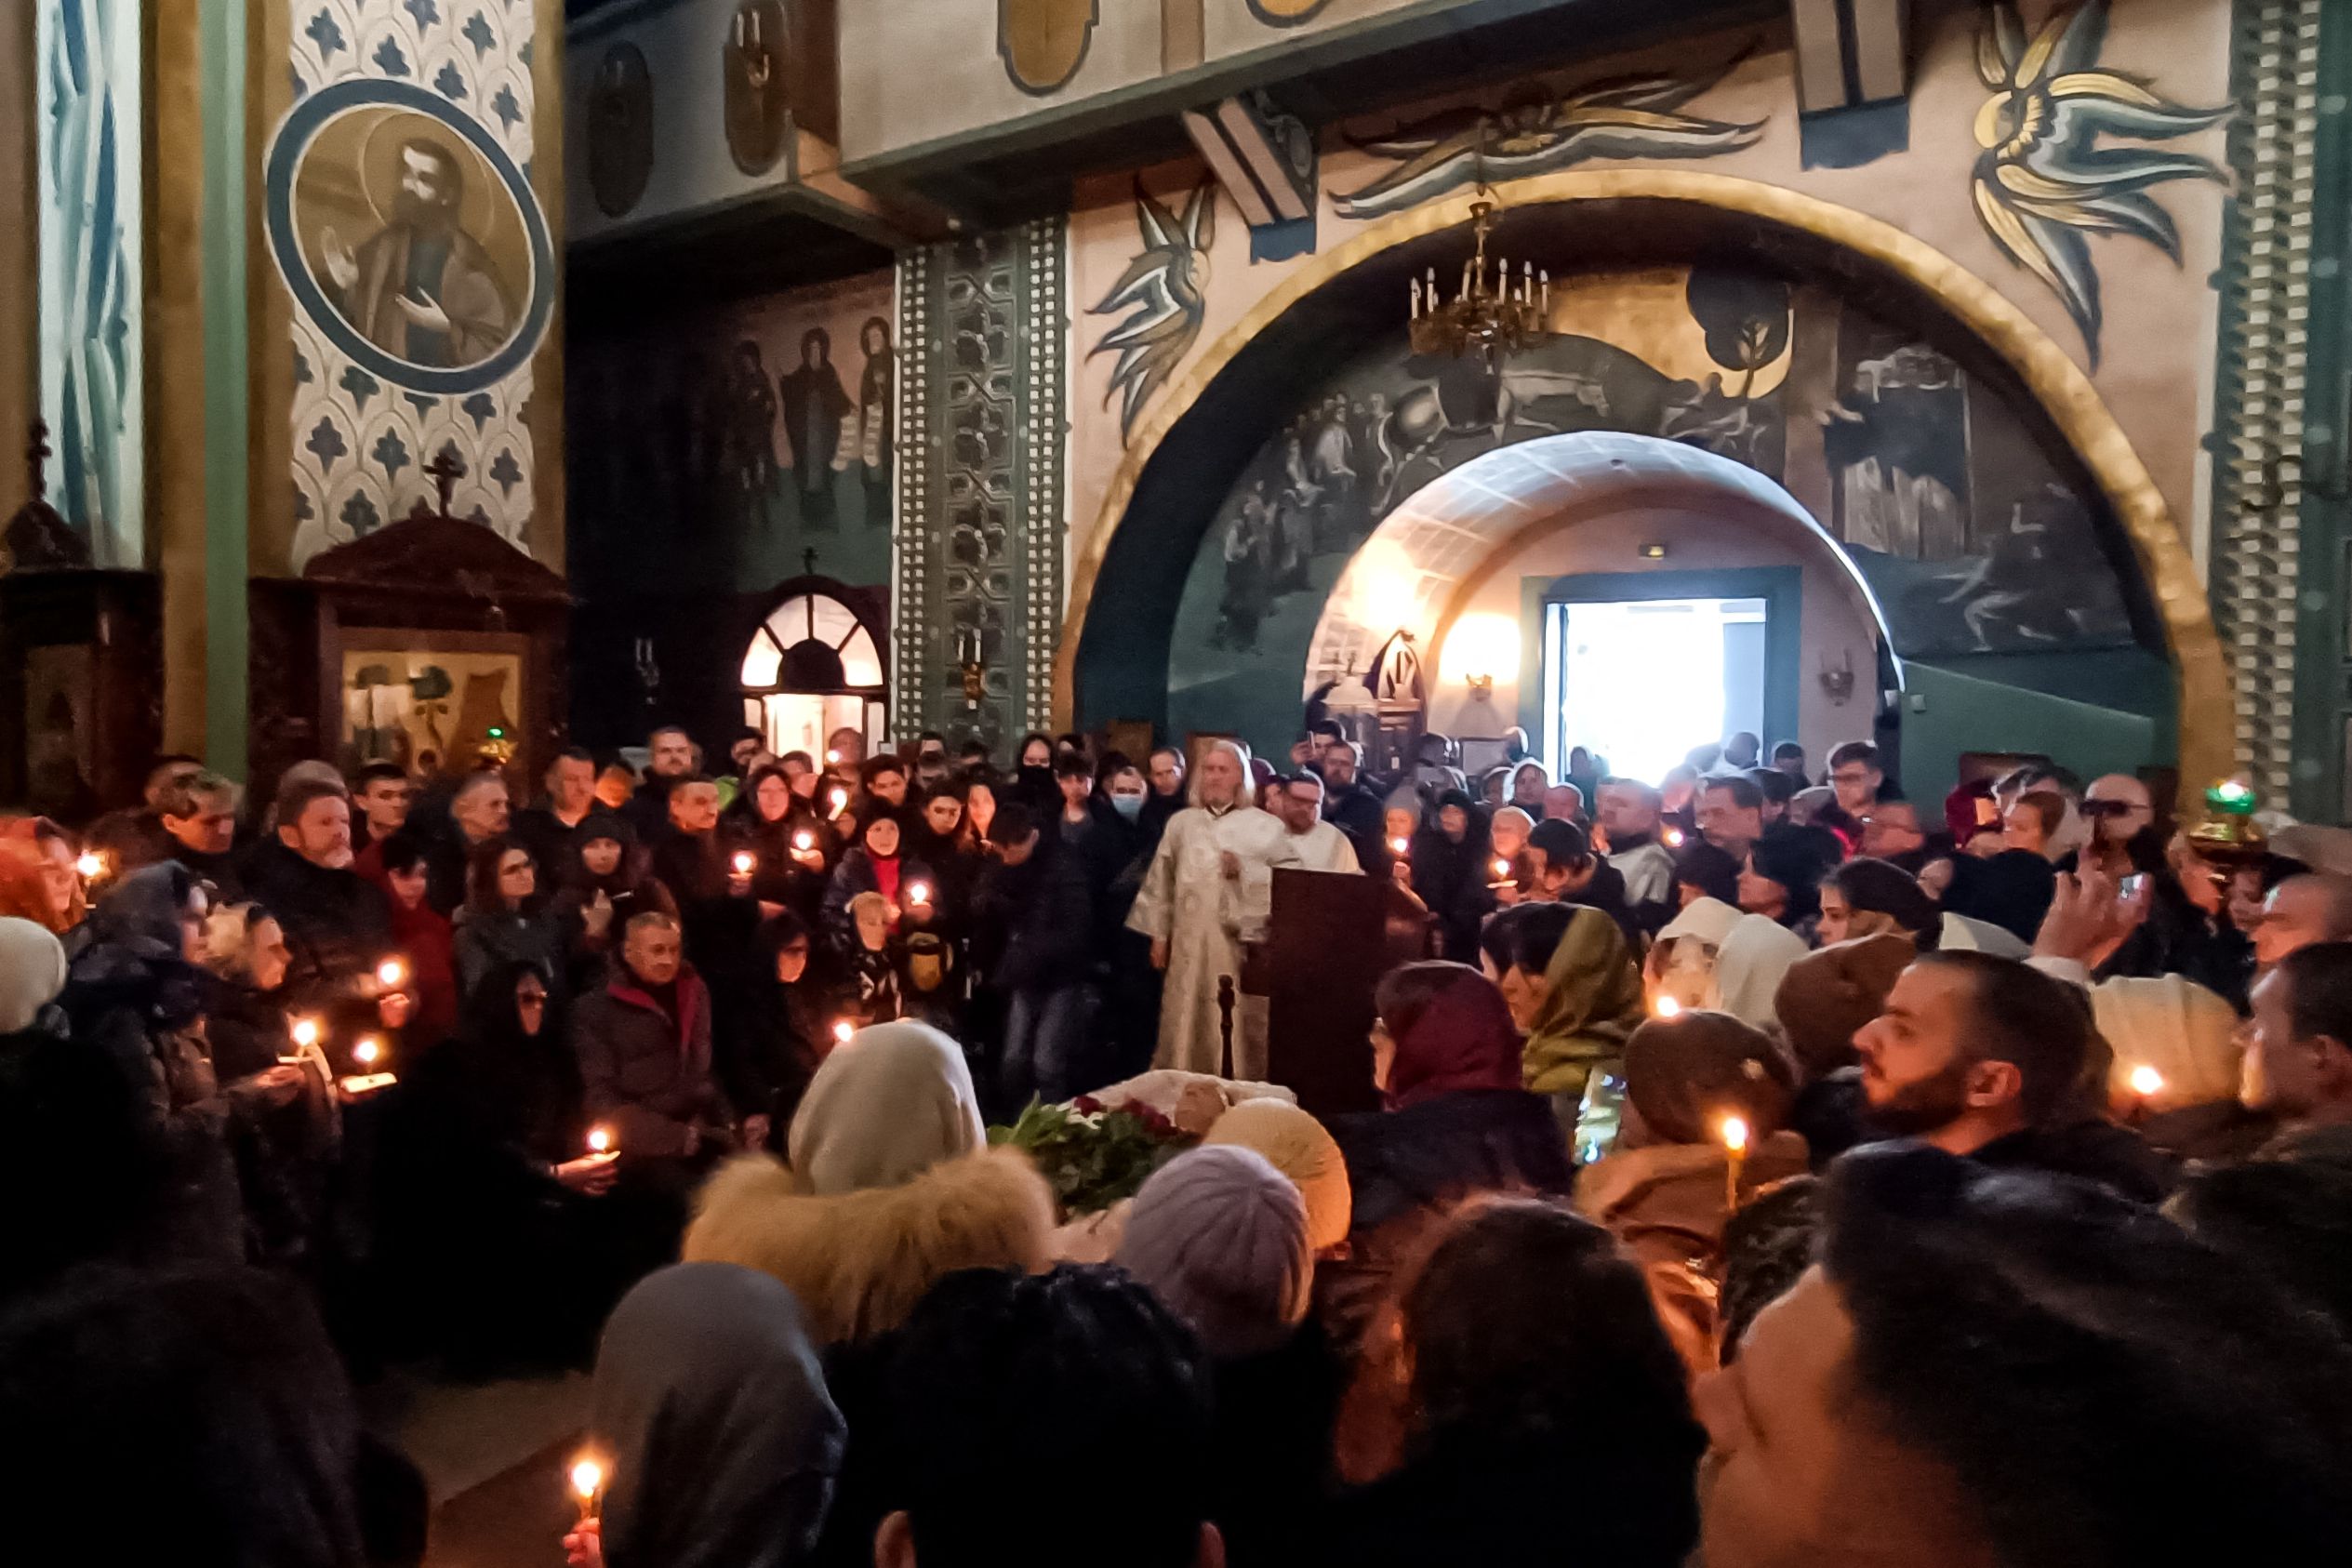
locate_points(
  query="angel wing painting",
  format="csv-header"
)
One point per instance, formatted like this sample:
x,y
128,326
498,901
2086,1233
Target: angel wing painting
x,y
2042,184
1161,297
1621,117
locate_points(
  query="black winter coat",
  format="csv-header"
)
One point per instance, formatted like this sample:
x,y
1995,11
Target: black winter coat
x,y
337,923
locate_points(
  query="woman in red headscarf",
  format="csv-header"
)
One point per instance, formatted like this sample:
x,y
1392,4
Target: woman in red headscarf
x,y
1447,1059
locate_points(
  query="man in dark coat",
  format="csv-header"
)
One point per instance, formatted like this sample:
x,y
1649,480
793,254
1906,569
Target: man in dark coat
x,y
643,1043
1036,899
336,923
1353,807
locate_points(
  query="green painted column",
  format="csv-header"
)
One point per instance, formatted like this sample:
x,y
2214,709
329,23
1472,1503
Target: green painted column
x,y
222,56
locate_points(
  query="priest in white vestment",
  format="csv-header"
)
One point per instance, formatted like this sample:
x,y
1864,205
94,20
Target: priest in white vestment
x,y
1319,845
1211,887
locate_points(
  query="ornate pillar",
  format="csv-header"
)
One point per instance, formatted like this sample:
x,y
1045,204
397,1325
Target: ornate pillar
x,y
977,574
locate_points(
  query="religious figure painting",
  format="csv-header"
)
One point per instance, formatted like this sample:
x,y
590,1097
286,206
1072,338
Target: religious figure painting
x,y
408,235
2044,184
1539,131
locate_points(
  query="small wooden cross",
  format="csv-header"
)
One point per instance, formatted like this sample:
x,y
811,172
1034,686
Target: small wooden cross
x,y
808,563
447,468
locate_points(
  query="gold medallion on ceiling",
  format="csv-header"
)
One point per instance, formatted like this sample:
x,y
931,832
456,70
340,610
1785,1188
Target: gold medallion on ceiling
x,y
757,102
1044,41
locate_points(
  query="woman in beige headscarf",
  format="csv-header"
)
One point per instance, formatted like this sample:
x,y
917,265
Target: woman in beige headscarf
x,y
891,1186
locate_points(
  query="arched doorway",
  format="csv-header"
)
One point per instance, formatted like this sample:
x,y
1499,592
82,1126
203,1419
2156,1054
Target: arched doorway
x,y
813,667
2098,606
1622,593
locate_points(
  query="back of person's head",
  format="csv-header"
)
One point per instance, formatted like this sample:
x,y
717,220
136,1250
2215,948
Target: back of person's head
x,y
2018,1014
1525,1320
1524,936
1715,872
1880,887
1006,1397
1768,1244
1072,764
1860,751
2104,1388
32,973
1744,793
1564,845
1303,1150
1219,1235
1773,784
886,1105
196,1417
187,794
1687,1074
2287,1213
1828,996
2319,983
404,852
1013,824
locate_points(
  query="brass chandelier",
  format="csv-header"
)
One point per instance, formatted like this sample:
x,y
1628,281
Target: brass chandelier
x,y
1492,312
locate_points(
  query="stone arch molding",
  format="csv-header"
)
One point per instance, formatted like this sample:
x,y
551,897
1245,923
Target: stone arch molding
x,y
2207,744
1445,537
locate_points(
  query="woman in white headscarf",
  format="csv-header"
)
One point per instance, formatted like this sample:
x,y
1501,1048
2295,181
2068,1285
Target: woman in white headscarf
x,y
1211,887
891,1186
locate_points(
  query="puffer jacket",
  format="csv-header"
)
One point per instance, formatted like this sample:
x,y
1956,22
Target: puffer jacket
x,y
643,1071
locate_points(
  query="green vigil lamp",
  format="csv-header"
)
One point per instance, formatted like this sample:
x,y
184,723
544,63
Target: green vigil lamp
x,y
2228,836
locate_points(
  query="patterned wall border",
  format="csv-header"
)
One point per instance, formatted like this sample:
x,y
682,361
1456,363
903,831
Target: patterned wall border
x,y
909,576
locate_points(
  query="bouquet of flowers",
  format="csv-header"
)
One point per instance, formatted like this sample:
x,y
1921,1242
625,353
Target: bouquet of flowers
x,y
1093,1155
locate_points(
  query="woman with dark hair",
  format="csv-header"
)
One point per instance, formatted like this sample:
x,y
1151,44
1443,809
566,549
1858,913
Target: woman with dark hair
x,y
504,920
979,813
876,863
421,935
282,1126
1450,872
2032,823
491,1185
1527,1359
935,836
1032,780
792,1020
1868,897
1701,871
2006,1367
1446,1058
194,1416
609,883
790,844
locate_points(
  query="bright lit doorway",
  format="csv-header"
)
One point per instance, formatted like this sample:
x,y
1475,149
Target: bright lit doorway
x,y
1639,669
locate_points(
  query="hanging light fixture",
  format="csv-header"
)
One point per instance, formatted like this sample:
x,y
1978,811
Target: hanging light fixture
x,y
1493,312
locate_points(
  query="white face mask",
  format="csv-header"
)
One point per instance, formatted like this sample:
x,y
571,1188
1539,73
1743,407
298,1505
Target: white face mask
x,y
1129,806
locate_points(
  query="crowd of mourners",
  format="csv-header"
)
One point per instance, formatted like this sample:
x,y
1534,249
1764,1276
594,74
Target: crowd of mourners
x,y
1768,1171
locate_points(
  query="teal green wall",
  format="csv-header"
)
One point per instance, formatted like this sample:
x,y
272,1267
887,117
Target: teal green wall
x,y
2104,713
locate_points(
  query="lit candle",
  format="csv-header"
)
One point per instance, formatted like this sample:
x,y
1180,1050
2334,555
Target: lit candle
x,y
842,1029
744,863
918,893
600,1140
832,758
306,1032
2146,1083
1735,1145
1398,846
1668,1007
92,865
1502,869
804,840
391,972
588,1480
841,802
1674,838
368,1052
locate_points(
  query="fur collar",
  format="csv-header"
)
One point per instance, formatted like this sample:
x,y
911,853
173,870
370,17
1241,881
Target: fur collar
x,y
860,1262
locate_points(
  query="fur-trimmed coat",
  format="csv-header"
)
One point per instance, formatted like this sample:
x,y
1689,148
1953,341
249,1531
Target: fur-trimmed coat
x,y
860,1262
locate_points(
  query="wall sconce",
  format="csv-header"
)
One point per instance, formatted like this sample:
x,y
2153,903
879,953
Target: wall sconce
x,y
1482,686
1838,684
1653,551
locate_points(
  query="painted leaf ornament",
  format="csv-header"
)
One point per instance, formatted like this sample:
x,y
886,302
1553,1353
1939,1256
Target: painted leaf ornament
x,y
2043,184
1044,41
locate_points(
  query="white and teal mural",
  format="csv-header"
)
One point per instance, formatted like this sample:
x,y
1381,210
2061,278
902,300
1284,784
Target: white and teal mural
x,y
91,322
402,218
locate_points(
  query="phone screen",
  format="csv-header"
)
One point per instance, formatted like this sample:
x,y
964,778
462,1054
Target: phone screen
x,y
2134,884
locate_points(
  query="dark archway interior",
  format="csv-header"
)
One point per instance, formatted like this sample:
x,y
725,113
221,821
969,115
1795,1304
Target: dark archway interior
x,y
1121,669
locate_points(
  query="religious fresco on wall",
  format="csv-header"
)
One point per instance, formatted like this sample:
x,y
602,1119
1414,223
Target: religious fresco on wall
x,y
620,129
2046,182
1044,41
399,211
716,451
1968,534
1537,130
1159,300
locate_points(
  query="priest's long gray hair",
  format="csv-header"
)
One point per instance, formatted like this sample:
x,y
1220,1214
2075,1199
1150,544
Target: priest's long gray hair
x,y
1242,796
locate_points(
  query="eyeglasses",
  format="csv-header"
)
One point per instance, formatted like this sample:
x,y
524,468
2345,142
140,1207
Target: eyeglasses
x,y
531,999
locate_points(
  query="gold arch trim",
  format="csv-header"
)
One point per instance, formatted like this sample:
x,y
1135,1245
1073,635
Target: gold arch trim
x,y
2207,741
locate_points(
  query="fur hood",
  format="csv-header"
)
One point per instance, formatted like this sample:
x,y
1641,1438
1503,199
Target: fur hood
x,y
860,1262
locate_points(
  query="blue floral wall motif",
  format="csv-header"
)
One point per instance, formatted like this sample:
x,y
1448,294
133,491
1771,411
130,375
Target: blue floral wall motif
x,y
390,370
90,270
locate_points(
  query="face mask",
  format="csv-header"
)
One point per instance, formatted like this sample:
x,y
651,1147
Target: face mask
x,y
1129,806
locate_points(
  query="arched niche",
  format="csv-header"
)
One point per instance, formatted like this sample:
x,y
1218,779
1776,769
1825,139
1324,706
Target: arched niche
x,y
1197,442
813,666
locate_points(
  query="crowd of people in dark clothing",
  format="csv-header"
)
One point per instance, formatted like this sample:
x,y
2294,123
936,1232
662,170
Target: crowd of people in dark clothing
x,y
1766,1172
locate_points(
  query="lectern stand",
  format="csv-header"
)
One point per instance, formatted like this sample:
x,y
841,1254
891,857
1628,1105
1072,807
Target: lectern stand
x,y
1331,938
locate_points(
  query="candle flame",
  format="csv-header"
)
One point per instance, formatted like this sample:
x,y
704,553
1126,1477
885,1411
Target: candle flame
x,y
743,864
2147,1081
1736,1135
366,1052
802,841
600,1140
306,1032
841,799
391,972
1674,838
1502,867
918,893
842,1029
1397,846
92,865
587,1479
1668,1007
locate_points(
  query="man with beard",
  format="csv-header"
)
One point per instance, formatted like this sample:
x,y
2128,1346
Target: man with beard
x,y
1985,1057
337,925
1353,807
422,289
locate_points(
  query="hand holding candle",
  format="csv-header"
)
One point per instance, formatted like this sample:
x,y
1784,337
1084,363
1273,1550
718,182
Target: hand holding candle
x,y
392,974
745,862
1668,1007
1399,847
918,893
587,1484
600,1140
841,802
1735,1146
306,1033
842,1029
2146,1083
92,865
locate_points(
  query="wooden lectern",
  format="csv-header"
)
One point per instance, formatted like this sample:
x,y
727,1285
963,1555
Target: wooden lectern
x,y
1330,939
